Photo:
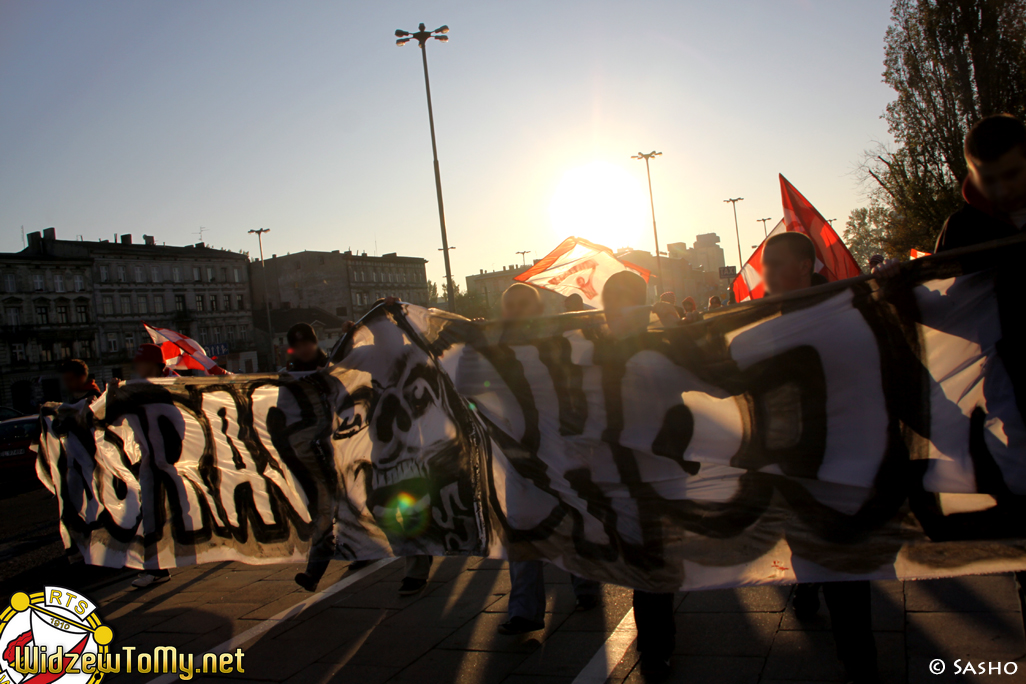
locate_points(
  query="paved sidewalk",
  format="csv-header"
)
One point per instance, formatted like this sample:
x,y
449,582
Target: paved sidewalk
x,y
367,634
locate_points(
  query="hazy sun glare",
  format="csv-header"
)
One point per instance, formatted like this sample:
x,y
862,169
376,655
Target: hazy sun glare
x,y
601,202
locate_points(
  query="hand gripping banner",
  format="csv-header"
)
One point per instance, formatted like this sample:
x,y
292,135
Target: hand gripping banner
x,y
860,429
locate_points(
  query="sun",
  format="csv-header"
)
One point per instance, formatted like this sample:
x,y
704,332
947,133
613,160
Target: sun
x,y
601,202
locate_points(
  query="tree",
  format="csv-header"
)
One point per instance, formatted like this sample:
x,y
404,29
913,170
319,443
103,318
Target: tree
x,y
951,62
866,233
432,292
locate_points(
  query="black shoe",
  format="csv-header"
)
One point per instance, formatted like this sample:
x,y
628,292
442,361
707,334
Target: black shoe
x,y
587,602
654,667
306,581
806,602
520,625
411,586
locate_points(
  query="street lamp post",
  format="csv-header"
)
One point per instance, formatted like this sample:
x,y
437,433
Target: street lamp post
x,y
737,231
651,201
263,276
524,253
422,36
765,234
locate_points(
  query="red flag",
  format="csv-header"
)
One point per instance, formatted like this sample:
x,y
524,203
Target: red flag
x,y
181,351
834,261
578,266
917,254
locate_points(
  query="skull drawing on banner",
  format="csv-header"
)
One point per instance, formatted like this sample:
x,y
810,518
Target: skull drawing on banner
x,y
404,458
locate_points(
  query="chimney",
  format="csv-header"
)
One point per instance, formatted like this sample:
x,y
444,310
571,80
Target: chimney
x,y
49,233
148,239
126,239
35,240
199,245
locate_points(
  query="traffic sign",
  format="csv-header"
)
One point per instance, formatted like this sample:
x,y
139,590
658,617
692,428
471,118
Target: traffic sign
x,y
728,272
217,349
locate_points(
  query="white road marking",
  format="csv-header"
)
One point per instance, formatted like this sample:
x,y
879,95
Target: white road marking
x,y
267,625
604,661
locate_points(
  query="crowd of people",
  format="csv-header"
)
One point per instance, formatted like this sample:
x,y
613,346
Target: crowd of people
x,y
995,195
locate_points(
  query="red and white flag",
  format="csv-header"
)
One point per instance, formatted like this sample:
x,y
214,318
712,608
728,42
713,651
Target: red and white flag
x,y
917,254
748,283
578,266
183,352
833,260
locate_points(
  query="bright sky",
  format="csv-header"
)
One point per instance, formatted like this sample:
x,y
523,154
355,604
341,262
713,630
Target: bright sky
x,y
305,118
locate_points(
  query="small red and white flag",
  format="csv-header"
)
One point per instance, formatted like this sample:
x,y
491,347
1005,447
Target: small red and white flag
x,y
917,254
833,260
578,266
183,352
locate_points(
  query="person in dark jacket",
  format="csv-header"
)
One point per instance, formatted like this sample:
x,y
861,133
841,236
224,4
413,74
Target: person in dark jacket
x,y
994,190
788,264
622,296
78,382
304,352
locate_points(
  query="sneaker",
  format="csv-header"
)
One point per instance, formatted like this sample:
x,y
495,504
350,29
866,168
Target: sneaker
x,y
520,625
654,668
587,602
146,579
306,581
411,586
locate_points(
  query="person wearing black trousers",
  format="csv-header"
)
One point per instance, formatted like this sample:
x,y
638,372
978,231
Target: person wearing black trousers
x,y
653,612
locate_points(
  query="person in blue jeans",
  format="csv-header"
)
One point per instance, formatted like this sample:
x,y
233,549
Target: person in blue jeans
x,y
526,611
527,595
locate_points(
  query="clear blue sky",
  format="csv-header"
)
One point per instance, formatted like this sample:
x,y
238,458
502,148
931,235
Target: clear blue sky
x,y
305,118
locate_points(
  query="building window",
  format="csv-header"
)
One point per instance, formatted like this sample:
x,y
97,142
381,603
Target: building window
x,y
126,305
85,349
224,274
38,284
10,283
13,315
217,333
104,274
122,274
58,283
244,333
64,349
231,333
210,274
176,274
238,276
155,274
196,273
79,283
213,302
158,304
142,305
140,276
42,315
112,342
239,302
45,354
108,306
82,313
203,336
17,352
356,298
199,302
227,302
179,303
130,343
62,313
